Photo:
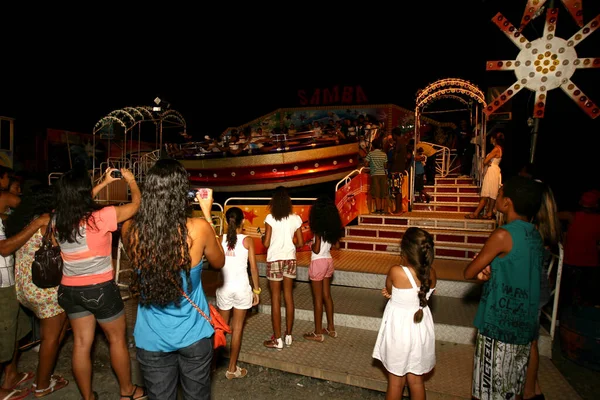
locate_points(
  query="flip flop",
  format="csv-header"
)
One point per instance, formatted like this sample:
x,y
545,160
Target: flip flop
x,y
27,377
17,394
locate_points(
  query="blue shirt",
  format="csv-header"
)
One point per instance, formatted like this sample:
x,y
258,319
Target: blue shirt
x,y
171,328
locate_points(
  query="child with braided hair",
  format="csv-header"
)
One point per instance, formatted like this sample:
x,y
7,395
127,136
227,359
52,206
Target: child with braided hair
x,y
237,295
406,340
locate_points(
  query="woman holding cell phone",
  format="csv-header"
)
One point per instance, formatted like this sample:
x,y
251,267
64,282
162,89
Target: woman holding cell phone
x,y
166,249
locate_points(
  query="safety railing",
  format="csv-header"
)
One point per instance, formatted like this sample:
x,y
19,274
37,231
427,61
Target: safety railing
x,y
345,180
53,176
552,314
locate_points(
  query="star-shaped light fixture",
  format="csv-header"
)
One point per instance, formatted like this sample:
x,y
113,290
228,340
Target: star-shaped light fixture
x,y
546,63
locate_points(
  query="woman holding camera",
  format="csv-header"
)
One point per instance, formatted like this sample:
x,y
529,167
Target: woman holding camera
x,y
88,291
166,247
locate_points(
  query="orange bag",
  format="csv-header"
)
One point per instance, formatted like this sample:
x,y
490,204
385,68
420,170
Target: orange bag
x,y
216,321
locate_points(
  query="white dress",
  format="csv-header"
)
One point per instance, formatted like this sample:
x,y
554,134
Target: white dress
x,y
492,180
404,346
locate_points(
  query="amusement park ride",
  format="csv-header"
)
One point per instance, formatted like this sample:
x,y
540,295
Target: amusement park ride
x,y
542,64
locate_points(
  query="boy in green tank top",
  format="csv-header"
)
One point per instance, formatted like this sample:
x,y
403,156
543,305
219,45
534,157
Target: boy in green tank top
x,y
510,264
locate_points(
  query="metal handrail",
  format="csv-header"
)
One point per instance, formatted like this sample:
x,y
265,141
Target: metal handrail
x,y
345,180
558,260
266,199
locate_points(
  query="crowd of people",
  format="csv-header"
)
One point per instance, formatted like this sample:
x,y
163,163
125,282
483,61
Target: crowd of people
x,y
167,248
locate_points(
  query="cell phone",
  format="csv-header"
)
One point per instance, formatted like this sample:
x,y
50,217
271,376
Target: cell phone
x,y
204,193
116,174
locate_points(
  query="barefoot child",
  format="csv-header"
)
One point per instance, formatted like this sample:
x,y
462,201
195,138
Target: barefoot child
x,y
510,263
326,224
406,340
236,292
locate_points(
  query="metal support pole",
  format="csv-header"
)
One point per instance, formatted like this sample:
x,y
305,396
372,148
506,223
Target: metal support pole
x,y
534,136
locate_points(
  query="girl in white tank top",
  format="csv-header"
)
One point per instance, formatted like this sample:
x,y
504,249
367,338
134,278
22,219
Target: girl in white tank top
x,y
236,293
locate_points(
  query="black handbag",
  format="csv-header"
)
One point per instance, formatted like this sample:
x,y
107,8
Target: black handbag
x,y
47,265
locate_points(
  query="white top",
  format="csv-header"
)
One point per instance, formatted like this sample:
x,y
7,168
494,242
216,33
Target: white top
x,y
402,345
7,264
235,270
282,246
324,253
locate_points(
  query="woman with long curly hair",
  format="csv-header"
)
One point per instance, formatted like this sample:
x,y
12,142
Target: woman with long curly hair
x,y
88,291
42,302
406,340
166,247
237,296
326,226
283,233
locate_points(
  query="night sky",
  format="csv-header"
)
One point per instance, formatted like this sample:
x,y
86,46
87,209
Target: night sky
x,y
222,67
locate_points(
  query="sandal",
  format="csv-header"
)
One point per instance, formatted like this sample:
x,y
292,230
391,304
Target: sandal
x,y
488,217
332,334
239,373
314,337
144,395
57,382
471,216
17,394
26,377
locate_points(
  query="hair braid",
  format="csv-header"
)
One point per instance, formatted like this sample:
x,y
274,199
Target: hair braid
x,y
423,275
417,248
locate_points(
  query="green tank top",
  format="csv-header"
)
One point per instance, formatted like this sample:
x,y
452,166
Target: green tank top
x,y
508,310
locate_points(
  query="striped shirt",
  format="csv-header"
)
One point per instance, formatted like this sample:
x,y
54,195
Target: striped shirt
x,y
88,260
7,264
376,159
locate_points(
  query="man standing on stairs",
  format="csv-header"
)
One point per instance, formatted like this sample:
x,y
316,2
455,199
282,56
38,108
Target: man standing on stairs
x,y
376,160
398,165
510,264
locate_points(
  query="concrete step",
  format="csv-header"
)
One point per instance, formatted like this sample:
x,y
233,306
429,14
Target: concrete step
x,y
444,206
348,359
363,309
453,181
441,236
429,220
359,269
452,188
452,251
454,197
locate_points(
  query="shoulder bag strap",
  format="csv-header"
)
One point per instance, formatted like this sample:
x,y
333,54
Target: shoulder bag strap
x,y
194,305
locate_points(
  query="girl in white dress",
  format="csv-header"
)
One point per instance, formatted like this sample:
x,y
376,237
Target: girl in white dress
x,y
406,340
491,180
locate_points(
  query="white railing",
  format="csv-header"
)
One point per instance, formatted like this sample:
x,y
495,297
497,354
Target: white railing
x,y
557,261
345,180
443,159
53,176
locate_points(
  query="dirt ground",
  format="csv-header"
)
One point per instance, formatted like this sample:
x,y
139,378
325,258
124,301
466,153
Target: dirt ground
x,y
260,383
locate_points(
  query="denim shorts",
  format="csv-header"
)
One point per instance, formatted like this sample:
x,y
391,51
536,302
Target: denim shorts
x,y
102,300
189,367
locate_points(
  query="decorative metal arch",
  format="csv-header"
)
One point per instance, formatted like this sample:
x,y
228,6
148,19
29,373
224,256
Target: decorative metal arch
x,y
108,120
451,97
456,83
117,113
455,89
130,117
134,111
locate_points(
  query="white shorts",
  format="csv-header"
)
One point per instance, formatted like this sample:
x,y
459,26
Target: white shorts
x,y
228,298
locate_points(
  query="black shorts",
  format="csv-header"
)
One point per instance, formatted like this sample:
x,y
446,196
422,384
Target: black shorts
x,y
102,300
